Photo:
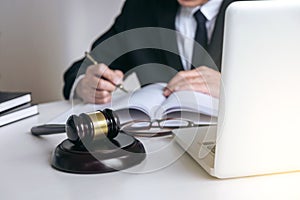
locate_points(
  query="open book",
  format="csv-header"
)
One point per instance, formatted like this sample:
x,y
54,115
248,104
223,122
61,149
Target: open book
x,y
149,103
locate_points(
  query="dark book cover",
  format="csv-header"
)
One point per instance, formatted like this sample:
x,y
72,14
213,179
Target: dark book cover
x,y
9,100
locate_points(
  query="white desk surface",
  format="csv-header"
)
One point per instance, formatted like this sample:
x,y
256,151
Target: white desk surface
x,y
25,173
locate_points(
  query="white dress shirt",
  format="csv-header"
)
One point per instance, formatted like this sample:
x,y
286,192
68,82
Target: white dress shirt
x,y
186,24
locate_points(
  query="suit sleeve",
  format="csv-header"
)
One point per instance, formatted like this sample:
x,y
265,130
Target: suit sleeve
x,y
122,23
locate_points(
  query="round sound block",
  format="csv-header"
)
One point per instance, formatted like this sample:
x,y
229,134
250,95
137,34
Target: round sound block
x,y
106,156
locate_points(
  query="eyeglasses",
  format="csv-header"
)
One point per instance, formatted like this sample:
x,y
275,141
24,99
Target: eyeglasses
x,y
156,127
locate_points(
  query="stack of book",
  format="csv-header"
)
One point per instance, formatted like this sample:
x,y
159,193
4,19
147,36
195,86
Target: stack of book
x,y
15,106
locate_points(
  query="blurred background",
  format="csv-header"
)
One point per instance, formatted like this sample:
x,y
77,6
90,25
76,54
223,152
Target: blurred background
x,y
40,39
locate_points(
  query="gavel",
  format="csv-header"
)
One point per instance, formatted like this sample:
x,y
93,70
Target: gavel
x,y
92,139
86,127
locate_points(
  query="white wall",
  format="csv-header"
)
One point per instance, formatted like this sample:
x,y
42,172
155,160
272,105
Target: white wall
x,y
39,40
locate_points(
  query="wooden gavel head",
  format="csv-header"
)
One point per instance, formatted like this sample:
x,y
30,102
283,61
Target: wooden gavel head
x,y
92,127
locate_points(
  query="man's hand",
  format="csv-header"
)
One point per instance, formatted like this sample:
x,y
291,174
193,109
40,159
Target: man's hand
x,y
201,79
98,83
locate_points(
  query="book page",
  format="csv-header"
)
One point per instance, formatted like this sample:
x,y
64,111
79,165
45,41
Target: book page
x,y
189,101
147,99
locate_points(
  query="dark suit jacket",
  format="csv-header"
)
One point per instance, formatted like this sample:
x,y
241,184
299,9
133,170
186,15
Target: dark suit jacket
x,y
147,13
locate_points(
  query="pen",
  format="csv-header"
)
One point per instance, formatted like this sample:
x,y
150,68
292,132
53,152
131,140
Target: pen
x,y
120,86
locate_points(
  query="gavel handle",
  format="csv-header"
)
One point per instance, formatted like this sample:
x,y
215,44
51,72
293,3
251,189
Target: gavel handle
x,y
48,129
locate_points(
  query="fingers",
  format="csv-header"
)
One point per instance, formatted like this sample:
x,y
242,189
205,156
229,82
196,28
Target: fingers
x,y
98,83
90,95
94,82
199,85
103,72
181,78
98,97
201,79
102,78
119,74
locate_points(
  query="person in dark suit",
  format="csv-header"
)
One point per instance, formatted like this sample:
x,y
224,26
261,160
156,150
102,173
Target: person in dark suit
x,y
98,81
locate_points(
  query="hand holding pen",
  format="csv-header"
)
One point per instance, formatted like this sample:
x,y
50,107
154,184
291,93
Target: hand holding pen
x,y
120,86
98,83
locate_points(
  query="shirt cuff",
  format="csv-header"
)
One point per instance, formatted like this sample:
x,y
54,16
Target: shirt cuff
x,y
73,90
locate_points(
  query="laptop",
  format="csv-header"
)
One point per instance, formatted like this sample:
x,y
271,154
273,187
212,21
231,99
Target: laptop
x,y
258,130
